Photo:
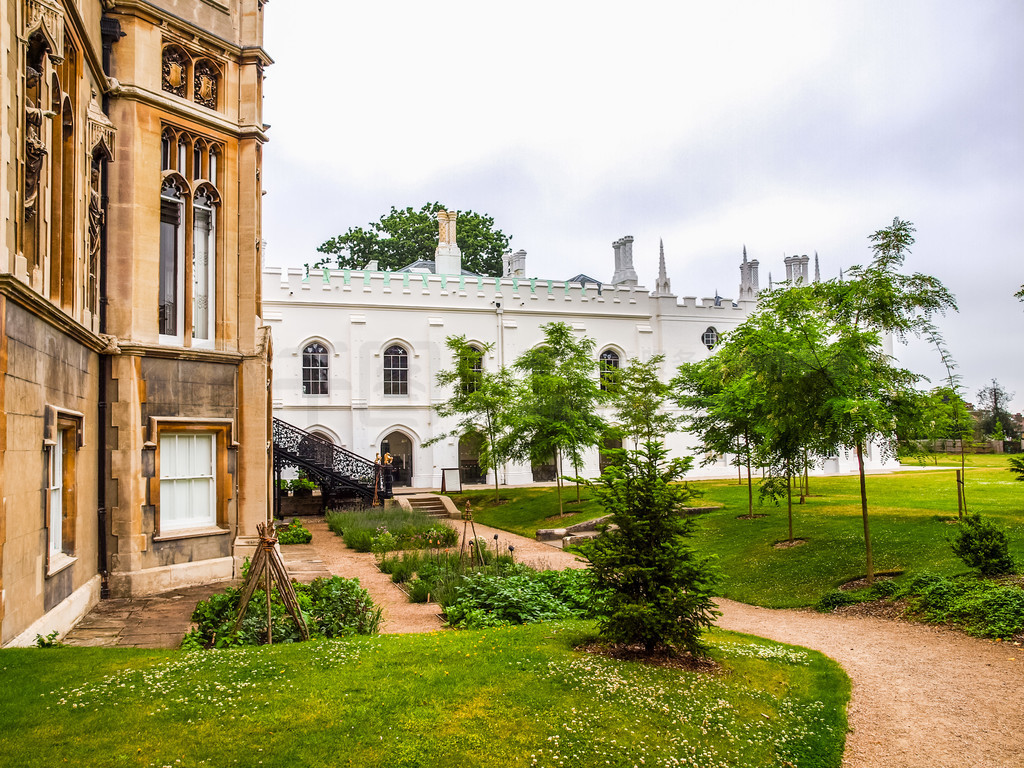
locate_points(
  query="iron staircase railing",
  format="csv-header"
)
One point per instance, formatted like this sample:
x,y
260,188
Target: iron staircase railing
x,y
339,473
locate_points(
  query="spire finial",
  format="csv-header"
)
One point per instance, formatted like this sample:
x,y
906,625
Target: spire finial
x,y
817,271
662,287
744,253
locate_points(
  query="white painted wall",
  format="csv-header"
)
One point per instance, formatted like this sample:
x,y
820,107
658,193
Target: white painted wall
x,y
356,315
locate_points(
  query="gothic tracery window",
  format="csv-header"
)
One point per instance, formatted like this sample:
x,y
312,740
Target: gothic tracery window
x,y
315,370
188,197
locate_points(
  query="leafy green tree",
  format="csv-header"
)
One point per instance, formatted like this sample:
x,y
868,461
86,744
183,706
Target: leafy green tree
x,y
653,588
864,397
719,397
996,420
482,402
403,236
557,414
639,398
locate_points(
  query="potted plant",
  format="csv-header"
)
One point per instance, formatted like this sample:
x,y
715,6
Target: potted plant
x,y
302,487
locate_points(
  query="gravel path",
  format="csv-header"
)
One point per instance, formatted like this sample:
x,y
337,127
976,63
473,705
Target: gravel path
x,y
399,614
923,696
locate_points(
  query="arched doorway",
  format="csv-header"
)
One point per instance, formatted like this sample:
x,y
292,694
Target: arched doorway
x,y
546,472
400,448
469,458
605,458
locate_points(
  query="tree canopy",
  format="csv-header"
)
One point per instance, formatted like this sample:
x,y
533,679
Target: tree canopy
x,y
482,401
995,419
557,415
405,235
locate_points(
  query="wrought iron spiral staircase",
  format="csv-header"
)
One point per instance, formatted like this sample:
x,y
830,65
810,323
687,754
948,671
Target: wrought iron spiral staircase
x,y
340,474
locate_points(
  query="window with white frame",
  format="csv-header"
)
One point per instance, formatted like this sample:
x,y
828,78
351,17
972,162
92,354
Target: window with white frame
x,y
188,485
608,369
55,494
315,370
471,368
61,511
710,337
396,371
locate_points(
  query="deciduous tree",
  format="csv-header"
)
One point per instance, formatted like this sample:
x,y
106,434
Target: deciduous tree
x,y
405,235
557,414
482,401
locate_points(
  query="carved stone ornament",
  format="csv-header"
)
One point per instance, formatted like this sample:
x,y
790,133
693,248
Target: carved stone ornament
x,y
101,131
35,153
174,69
47,18
112,346
205,86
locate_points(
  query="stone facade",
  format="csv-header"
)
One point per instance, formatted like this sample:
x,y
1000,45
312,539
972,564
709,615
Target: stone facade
x,y
134,366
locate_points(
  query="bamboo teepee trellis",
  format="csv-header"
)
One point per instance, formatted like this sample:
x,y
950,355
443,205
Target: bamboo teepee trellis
x,y
266,568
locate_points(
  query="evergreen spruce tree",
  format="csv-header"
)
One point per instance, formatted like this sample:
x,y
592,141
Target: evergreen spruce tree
x,y
654,588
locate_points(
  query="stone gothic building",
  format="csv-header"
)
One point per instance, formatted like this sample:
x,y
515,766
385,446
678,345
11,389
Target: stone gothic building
x,y
134,366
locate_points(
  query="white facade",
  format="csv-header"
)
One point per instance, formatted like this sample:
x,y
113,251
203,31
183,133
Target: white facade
x,y
357,316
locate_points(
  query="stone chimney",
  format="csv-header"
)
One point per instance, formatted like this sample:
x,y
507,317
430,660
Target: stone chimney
x,y
447,257
624,272
797,269
514,264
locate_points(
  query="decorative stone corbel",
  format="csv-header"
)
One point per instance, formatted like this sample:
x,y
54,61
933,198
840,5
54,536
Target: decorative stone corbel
x,y
111,346
47,18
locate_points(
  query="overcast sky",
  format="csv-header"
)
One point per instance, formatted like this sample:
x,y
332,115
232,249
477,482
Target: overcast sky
x,y
788,127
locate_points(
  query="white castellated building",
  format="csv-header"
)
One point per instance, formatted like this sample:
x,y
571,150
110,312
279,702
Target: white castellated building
x,y
357,352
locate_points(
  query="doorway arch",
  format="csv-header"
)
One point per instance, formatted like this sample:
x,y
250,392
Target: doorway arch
x,y
469,458
399,445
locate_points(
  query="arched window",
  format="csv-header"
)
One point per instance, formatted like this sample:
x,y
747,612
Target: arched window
x,y
172,252
188,200
609,369
315,370
471,368
396,371
710,337
203,252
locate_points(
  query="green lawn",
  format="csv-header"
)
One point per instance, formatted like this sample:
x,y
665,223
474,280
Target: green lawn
x,y
909,514
524,510
516,696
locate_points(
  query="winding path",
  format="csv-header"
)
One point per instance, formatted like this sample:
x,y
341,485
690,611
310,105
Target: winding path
x,y
923,697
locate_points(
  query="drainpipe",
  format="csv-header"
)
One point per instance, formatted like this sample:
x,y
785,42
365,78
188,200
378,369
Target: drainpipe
x,y
110,31
501,333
